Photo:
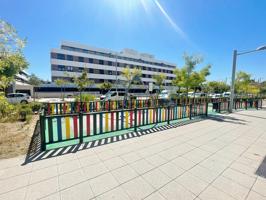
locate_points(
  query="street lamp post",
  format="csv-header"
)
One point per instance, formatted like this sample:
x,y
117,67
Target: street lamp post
x,y
235,54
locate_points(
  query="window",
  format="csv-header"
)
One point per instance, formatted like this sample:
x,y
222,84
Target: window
x,y
110,63
101,71
69,69
80,69
60,56
10,95
101,62
91,71
69,57
81,59
110,72
61,68
90,60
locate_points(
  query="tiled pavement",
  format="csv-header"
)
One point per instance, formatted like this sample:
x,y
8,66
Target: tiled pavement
x,y
211,159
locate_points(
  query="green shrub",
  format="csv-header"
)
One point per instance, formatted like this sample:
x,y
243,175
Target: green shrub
x,y
36,106
24,111
85,98
6,109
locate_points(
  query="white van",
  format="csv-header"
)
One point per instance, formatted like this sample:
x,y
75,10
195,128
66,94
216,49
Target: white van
x,y
18,98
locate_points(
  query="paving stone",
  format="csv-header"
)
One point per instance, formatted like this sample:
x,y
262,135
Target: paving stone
x,y
42,189
103,183
71,178
156,178
137,188
141,166
173,191
115,194
192,183
260,186
124,174
80,191
171,170
231,188
211,193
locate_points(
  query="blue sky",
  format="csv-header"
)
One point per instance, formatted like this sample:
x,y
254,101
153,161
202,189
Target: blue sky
x,y
165,28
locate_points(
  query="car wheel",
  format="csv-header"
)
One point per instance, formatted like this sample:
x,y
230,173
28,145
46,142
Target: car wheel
x,y
24,102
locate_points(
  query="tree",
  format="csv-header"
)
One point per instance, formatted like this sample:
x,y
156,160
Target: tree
x,y
178,81
4,83
242,82
10,42
12,60
263,88
159,80
131,77
105,86
61,83
187,77
35,82
218,86
82,82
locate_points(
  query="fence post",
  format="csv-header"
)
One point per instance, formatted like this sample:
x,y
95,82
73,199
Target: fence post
x,y
80,127
190,109
207,106
246,104
257,104
42,132
168,114
219,107
135,119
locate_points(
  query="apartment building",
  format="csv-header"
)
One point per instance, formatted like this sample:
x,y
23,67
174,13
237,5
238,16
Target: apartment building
x,y
103,65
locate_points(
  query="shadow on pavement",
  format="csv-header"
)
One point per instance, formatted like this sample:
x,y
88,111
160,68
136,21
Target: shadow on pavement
x,y
227,119
261,171
251,115
35,154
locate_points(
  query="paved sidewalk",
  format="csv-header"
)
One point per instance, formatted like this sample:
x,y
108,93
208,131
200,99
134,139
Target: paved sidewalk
x,y
214,159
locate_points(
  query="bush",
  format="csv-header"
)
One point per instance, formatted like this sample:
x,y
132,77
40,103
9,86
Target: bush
x,y
24,111
6,109
85,98
36,106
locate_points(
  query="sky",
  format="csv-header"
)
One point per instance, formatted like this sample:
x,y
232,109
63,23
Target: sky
x,y
164,28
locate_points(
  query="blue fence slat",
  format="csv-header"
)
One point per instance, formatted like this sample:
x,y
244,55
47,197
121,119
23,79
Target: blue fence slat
x,y
59,128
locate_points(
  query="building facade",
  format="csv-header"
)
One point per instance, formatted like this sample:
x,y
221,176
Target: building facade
x,y
103,65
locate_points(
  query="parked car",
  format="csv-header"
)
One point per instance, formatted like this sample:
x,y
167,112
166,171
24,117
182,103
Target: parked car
x,y
108,95
216,96
18,98
165,94
226,94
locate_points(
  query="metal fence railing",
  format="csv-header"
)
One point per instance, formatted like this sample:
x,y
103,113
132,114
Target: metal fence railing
x,y
68,121
65,127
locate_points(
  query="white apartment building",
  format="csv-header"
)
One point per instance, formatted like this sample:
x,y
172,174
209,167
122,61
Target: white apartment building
x,y
102,65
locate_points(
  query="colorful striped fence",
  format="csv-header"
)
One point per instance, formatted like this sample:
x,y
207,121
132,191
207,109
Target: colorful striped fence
x,y
97,106
65,127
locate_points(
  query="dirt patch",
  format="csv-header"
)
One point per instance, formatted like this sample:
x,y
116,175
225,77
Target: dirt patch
x,y
15,137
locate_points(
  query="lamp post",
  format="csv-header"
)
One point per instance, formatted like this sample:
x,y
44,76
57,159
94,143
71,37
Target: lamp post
x,y
235,54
